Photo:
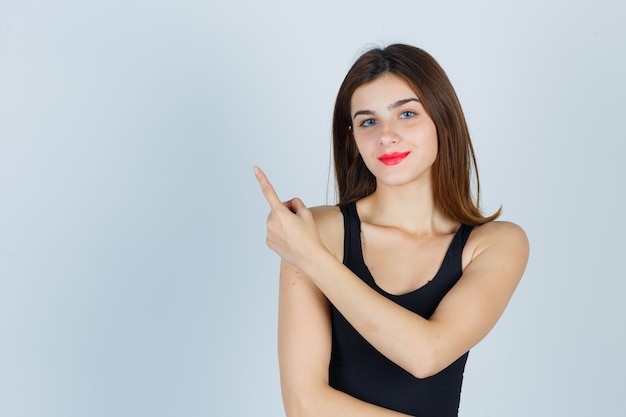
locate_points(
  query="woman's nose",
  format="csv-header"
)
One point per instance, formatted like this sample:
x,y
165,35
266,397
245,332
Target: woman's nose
x,y
388,135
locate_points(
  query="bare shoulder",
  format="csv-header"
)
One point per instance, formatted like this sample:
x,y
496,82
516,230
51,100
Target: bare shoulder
x,y
329,222
498,239
501,230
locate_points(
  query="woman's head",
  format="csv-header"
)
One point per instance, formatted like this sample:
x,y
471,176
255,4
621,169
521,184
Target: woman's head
x,y
455,158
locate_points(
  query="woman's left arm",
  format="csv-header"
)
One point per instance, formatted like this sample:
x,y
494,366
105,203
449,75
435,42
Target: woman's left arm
x,y
421,346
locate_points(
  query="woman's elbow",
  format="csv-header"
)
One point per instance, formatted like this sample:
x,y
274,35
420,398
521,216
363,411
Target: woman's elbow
x,y
427,365
422,371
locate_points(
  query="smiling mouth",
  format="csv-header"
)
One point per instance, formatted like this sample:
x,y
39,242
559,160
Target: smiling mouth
x,y
393,158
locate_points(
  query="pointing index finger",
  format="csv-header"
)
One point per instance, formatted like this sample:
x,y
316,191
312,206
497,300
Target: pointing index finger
x,y
267,189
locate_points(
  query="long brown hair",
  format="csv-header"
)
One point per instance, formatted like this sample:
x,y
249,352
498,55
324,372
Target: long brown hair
x,y
455,160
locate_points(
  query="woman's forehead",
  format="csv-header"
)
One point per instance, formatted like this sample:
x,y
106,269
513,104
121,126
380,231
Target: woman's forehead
x,y
382,92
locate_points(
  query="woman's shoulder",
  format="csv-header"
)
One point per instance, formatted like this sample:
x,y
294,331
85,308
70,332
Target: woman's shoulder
x,y
502,234
499,229
329,222
326,213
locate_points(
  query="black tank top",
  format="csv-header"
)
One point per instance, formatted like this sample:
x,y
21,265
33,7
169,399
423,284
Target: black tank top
x,y
358,369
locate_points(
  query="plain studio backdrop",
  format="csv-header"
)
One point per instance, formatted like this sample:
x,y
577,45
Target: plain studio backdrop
x,y
134,276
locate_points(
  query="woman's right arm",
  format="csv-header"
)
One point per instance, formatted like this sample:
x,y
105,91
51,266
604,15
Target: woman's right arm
x,y
304,346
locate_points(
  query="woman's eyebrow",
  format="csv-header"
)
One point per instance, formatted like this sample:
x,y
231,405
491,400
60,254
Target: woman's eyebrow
x,y
401,103
366,112
391,107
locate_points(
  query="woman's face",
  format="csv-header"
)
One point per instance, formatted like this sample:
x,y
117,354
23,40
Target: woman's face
x,y
395,136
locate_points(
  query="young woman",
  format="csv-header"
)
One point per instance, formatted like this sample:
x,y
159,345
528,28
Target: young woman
x,y
383,295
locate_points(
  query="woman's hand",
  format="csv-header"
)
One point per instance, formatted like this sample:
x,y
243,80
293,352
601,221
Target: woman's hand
x,y
291,230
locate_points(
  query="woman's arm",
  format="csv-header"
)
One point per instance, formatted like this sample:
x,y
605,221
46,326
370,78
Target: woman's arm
x,y
304,345
464,316
422,347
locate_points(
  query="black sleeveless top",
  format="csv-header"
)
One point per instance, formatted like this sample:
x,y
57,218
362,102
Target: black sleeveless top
x,y
358,369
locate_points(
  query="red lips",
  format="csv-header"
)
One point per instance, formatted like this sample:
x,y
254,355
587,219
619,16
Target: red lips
x,y
393,158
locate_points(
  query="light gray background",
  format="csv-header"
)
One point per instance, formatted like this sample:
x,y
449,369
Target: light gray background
x,y
134,278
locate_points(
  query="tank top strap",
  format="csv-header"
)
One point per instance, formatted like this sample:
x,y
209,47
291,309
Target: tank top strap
x,y
453,258
460,238
352,231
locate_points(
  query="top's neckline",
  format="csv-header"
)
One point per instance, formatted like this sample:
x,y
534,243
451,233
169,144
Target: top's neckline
x,y
361,259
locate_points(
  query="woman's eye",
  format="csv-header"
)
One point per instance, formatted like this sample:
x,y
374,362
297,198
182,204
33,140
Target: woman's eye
x,y
368,122
407,114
